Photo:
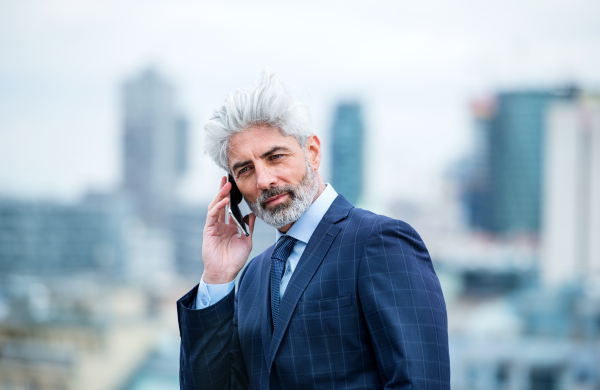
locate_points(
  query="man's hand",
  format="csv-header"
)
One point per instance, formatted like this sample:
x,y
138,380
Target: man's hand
x,y
224,252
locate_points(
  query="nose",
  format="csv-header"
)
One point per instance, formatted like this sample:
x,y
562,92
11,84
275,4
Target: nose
x,y
264,177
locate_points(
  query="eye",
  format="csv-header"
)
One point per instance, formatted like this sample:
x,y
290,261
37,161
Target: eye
x,y
243,170
276,156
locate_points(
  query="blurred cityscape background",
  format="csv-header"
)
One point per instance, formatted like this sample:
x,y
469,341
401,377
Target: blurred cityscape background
x,y
478,124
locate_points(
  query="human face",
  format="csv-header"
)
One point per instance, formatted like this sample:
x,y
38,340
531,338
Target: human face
x,y
285,213
276,176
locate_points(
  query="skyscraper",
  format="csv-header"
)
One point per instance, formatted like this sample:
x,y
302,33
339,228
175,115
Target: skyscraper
x,y
505,192
516,140
154,145
348,151
571,202
477,183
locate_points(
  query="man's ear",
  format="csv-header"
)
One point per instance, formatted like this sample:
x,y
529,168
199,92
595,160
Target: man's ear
x,y
313,151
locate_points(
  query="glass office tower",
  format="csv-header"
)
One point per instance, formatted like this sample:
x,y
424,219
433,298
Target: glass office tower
x,y
347,168
504,194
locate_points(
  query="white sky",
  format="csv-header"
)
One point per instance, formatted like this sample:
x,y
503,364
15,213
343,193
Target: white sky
x,y
415,65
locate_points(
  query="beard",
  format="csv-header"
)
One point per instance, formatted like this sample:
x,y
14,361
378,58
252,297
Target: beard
x,y
301,197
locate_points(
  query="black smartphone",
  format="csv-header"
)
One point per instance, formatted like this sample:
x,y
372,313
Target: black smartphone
x,y
235,198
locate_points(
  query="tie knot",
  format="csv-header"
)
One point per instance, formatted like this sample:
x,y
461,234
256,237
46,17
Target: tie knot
x,y
284,247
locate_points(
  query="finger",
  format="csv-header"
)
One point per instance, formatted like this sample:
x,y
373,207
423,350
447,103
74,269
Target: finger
x,y
213,214
222,214
223,192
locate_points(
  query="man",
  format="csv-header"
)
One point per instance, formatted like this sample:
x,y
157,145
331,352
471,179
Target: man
x,y
345,299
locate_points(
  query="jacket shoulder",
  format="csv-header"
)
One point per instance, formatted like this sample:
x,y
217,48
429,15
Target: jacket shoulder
x,y
368,219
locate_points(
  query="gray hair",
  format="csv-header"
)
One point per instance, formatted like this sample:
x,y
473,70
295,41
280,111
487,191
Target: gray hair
x,y
268,102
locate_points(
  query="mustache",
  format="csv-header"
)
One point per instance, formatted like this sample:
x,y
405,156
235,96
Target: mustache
x,y
274,191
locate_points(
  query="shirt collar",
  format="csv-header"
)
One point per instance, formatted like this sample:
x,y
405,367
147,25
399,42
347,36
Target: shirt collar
x,y
304,227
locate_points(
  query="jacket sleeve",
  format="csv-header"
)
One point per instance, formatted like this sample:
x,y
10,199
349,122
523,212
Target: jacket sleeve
x,y
404,309
210,354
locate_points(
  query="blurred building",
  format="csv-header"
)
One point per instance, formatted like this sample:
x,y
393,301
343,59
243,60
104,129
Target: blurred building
x,y
524,337
160,371
99,235
347,166
475,171
503,195
79,288
154,145
44,238
187,228
536,169
524,364
83,284
66,333
571,192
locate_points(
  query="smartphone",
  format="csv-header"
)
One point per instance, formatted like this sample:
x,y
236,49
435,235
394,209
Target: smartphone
x,y
235,198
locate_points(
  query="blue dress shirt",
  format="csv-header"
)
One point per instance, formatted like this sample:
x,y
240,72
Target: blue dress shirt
x,y
302,230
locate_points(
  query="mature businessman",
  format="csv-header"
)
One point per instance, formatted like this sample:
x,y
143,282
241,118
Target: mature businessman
x,y
345,299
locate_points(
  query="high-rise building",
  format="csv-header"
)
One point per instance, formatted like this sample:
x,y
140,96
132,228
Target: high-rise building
x,y
476,177
154,145
348,151
505,191
571,202
516,141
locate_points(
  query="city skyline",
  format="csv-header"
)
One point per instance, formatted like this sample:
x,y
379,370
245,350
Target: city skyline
x,y
414,69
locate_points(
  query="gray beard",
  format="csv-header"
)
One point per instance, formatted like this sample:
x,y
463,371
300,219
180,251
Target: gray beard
x,y
283,214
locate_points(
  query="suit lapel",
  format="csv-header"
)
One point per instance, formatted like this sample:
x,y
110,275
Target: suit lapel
x,y
311,259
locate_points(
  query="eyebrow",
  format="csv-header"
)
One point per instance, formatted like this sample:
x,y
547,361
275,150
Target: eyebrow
x,y
267,153
275,149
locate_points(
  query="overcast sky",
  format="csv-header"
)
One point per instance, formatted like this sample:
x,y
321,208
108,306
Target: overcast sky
x,y
414,65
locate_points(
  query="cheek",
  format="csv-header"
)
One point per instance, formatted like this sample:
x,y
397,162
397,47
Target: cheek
x,y
249,191
294,174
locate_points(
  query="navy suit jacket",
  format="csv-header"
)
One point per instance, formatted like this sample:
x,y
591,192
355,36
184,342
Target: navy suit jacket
x,y
363,310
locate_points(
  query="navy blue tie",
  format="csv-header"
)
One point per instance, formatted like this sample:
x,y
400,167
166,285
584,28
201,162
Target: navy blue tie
x,y
282,251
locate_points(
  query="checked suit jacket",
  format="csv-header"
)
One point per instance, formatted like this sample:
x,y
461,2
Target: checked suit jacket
x,y
363,310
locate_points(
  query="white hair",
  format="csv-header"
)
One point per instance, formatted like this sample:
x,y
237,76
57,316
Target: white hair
x,y
268,102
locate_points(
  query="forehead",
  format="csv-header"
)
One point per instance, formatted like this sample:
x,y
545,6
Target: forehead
x,y
255,141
